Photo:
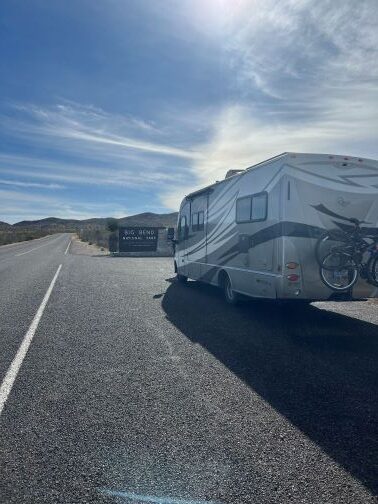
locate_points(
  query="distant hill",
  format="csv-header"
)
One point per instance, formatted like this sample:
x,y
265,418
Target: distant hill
x,y
55,224
49,222
150,219
5,225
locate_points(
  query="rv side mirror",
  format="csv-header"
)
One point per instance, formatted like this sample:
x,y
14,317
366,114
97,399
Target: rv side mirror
x,y
170,234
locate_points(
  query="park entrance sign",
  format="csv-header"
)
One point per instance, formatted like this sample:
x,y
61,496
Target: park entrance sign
x,y
141,241
138,239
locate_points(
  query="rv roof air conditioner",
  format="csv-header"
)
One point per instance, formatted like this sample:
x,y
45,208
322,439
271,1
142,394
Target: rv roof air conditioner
x,y
230,173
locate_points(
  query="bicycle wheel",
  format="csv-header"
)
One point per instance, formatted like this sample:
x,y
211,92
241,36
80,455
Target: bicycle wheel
x,y
327,241
339,271
372,270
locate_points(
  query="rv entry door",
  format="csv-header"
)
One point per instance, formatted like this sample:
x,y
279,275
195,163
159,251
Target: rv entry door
x,y
183,232
196,241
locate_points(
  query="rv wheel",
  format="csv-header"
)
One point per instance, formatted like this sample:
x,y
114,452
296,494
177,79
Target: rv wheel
x,y
231,296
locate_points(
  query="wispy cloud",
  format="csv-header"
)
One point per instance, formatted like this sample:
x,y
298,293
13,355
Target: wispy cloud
x,y
17,183
241,138
306,76
86,146
86,125
81,172
285,47
128,143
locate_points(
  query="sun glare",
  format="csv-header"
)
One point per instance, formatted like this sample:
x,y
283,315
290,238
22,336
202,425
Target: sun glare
x,y
213,16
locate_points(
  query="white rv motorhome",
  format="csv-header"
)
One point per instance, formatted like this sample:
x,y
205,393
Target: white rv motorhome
x,y
255,232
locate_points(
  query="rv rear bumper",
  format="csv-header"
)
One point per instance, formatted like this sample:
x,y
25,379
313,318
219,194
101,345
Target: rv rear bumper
x,y
315,290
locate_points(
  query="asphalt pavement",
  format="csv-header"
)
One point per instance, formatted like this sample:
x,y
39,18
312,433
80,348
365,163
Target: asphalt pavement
x,y
135,388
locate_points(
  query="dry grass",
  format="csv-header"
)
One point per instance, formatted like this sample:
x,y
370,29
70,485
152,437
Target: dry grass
x,y
15,235
99,237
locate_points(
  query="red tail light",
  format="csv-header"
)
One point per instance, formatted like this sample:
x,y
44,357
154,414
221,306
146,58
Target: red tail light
x,y
293,277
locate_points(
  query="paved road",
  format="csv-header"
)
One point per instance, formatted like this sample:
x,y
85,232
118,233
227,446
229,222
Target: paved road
x,y
138,389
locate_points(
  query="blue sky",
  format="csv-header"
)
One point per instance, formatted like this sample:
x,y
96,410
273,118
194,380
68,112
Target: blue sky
x,y
117,107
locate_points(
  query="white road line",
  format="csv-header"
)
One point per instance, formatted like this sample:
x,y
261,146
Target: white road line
x,y
14,368
36,248
68,246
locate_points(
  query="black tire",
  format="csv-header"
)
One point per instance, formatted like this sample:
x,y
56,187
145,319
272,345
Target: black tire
x,y
328,240
339,271
181,278
231,297
372,270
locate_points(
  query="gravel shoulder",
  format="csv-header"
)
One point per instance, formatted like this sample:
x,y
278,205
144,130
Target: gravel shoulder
x,y
79,247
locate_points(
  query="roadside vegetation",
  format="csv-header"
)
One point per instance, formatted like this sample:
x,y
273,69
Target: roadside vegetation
x,y
99,237
19,235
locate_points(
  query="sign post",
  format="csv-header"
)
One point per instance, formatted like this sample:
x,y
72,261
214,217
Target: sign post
x,y
138,239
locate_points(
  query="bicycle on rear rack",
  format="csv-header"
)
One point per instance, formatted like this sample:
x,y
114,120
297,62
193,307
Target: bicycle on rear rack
x,y
343,256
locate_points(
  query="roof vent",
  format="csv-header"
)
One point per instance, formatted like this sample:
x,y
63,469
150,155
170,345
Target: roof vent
x,y
230,173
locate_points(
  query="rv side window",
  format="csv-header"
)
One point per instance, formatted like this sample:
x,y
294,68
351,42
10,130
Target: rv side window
x,y
182,228
243,209
195,221
259,207
201,221
252,208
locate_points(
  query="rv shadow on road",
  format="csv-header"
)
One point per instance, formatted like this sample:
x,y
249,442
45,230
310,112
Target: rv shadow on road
x,y
317,368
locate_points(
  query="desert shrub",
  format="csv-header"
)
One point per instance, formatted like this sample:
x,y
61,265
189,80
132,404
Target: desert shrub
x,y
112,225
98,236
